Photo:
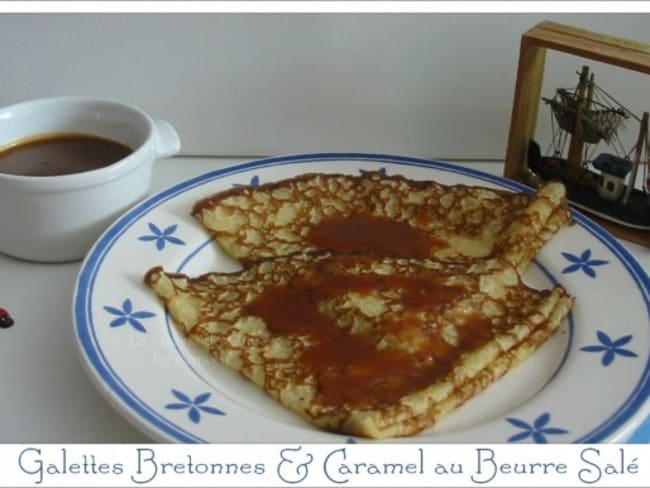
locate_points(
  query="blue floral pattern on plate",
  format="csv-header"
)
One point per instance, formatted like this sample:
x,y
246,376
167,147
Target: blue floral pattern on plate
x,y
126,315
381,170
109,271
194,406
254,181
611,348
583,262
162,236
538,430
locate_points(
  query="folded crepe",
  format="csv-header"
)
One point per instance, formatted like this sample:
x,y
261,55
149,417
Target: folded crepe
x,y
385,216
361,344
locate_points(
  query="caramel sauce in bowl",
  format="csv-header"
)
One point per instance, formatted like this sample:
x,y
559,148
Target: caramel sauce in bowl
x,y
68,167
60,154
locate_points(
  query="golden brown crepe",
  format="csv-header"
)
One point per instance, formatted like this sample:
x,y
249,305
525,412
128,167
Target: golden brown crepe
x,y
371,305
385,216
365,345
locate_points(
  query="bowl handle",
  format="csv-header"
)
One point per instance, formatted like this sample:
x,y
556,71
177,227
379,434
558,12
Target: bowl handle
x,y
167,142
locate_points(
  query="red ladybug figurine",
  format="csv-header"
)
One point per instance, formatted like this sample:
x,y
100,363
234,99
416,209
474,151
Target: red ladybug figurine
x,y
5,319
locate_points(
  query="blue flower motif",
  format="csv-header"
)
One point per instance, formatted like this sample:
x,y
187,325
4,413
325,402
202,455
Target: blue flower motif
x,y
161,237
380,171
538,431
194,406
610,348
126,315
582,262
255,181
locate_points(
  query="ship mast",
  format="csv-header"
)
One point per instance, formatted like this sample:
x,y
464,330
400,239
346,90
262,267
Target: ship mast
x,y
640,144
576,143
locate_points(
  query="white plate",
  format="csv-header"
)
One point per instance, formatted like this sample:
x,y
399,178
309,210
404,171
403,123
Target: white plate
x,y
587,384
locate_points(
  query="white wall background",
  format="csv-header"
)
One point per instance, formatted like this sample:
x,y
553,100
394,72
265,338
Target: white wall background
x,y
438,85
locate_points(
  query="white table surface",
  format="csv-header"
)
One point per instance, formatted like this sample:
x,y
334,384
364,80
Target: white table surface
x,y
46,396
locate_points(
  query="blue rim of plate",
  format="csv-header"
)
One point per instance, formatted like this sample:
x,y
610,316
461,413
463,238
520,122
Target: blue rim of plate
x,y
116,390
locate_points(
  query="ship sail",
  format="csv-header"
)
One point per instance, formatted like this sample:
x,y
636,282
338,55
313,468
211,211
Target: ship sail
x,y
600,122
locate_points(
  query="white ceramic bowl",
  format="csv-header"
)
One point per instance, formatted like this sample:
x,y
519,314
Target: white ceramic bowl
x,y
57,218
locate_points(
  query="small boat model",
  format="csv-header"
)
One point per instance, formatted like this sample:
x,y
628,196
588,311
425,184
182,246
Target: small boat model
x,y
605,185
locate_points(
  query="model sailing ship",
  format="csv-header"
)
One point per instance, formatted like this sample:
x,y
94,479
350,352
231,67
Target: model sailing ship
x,y
583,119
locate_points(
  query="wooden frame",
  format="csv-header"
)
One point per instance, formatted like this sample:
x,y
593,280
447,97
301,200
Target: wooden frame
x,y
623,53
